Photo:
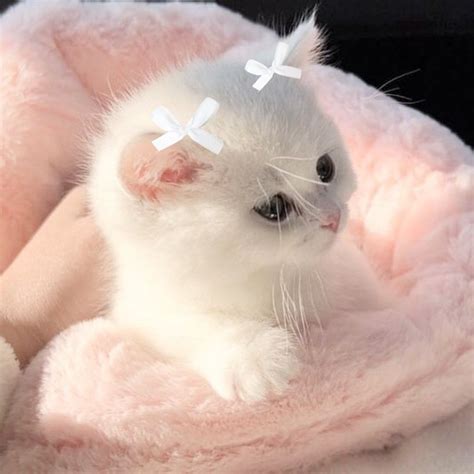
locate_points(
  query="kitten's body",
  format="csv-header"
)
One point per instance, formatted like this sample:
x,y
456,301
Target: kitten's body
x,y
200,276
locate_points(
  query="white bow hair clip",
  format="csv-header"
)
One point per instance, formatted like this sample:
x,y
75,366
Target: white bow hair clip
x,y
277,67
176,132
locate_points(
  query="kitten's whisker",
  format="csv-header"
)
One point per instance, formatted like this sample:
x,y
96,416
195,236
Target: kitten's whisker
x,y
279,230
275,311
285,302
283,307
393,89
304,321
305,221
323,289
304,202
315,314
398,77
293,158
267,197
380,90
309,211
378,93
301,214
293,315
315,308
286,305
398,96
407,100
302,178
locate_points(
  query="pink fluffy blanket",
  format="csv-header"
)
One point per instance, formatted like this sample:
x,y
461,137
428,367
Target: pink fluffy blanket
x,y
93,401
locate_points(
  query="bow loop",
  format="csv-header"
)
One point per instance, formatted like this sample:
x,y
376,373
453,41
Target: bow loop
x,y
281,53
277,67
256,68
165,120
176,132
288,71
212,143
204,112
167,140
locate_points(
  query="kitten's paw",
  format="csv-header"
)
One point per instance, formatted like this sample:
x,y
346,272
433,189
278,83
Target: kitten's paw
x,y
251,365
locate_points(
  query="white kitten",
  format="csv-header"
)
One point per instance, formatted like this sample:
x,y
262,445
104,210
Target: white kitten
x,y
216,255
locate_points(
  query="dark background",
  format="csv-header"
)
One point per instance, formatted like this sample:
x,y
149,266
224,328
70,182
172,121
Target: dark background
x,y
379,40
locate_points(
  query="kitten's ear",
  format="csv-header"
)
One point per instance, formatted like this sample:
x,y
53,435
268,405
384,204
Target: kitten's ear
x,y
146,172
306,44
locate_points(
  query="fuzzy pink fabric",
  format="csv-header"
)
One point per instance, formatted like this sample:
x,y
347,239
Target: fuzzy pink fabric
x,y
93,401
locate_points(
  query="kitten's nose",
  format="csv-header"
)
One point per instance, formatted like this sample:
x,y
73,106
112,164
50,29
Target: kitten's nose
x,y
331,220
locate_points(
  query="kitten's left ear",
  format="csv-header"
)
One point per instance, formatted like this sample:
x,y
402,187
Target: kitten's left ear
x,y
306,44
147,173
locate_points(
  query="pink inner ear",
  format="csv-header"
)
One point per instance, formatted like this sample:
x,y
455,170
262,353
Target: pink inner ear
x,y
181,171
145,171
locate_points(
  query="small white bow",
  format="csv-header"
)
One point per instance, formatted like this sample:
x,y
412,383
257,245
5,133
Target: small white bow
x,y
176,132
277,67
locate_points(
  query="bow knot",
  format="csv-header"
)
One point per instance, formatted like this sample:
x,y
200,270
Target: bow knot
x,y
277,67
176,132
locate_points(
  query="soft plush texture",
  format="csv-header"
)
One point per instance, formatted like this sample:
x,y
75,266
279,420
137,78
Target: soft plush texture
x,y
93,401
9,372
442,448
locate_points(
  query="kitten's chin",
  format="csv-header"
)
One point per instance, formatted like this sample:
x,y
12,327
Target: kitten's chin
x,y
323,238
315,244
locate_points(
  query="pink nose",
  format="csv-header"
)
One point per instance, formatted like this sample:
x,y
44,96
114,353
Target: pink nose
x,y
331,221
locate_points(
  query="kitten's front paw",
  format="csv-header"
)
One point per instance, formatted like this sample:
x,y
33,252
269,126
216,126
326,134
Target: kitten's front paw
x,y
251,364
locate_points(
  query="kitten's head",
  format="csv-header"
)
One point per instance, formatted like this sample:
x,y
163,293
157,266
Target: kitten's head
x,y
276,193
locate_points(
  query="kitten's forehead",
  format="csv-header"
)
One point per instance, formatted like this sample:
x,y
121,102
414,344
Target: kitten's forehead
x,y
282,119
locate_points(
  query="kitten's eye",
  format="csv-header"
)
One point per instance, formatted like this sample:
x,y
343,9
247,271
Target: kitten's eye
x,y
325,168
277,209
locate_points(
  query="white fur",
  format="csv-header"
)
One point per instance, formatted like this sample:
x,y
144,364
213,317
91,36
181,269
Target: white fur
x,y
200,276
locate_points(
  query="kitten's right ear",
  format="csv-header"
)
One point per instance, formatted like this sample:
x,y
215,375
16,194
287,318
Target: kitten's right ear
x,y
146,172
306,44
